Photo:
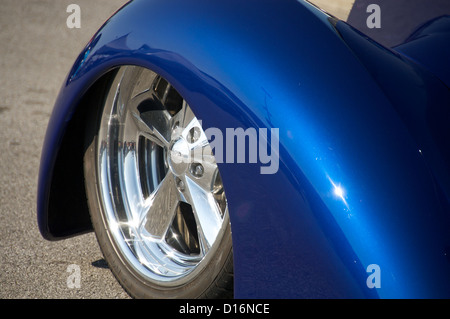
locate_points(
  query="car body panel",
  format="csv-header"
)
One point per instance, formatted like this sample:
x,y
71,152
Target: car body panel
x,y
354,187
430,46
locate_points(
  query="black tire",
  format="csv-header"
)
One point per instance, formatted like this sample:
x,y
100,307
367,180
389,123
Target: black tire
x,y
214,279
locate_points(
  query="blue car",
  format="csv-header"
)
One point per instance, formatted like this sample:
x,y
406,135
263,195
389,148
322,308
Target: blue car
x,y
255,149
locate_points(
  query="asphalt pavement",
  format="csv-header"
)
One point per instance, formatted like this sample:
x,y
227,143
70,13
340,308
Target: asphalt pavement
x,y
37,50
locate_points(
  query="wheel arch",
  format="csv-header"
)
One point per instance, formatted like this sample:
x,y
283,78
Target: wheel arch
x,y
62,204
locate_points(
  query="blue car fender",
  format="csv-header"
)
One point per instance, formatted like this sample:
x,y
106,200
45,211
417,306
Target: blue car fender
x,y
347,206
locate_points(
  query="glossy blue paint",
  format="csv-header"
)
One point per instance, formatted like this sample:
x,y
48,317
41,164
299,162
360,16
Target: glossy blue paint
x,y
354,187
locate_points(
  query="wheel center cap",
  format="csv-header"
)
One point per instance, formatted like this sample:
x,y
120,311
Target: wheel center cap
x,y
179,156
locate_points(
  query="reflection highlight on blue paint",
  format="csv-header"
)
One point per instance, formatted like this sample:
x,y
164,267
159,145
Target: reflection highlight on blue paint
x,y
339,192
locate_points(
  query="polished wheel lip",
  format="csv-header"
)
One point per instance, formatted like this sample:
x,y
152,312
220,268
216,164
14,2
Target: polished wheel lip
x,y
174,144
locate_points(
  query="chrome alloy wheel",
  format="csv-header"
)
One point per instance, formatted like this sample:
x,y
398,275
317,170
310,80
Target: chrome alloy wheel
x,y
158,184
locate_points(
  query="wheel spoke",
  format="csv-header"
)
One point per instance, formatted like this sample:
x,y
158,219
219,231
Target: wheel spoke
x,y
151,119
161,208
157,128
207,214
183,118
